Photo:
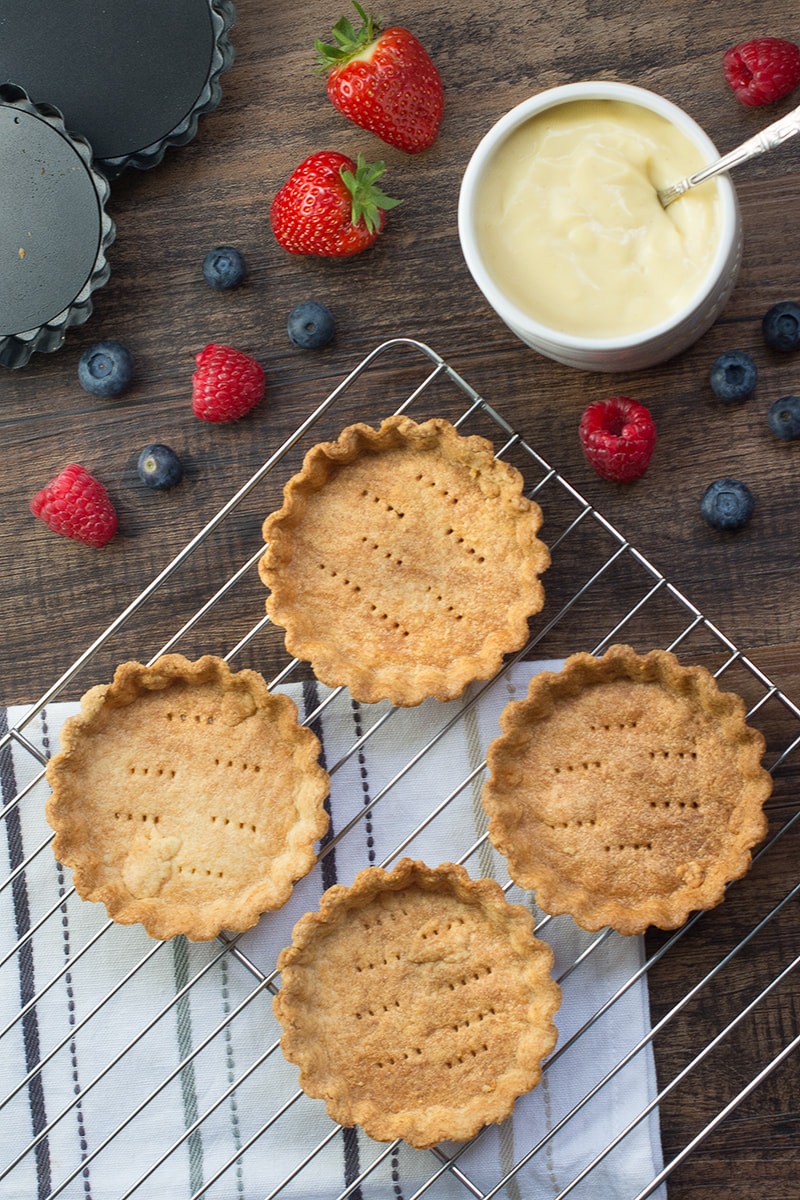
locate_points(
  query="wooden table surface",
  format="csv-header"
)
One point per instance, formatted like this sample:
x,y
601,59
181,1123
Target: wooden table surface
x,y
57,596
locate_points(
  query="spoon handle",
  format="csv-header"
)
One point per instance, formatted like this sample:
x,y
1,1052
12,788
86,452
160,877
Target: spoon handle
x,y
774,135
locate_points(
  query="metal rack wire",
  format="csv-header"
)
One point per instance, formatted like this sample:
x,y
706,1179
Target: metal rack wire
x,y
80,998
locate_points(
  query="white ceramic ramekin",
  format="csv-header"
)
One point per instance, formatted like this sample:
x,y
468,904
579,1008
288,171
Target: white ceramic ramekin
x,y
646,347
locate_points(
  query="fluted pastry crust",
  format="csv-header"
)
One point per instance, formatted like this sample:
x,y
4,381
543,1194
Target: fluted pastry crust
x,y
404,561
626,790
186,797
417,1003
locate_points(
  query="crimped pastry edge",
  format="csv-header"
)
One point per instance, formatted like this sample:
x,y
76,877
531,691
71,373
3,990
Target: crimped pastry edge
x,y
554,894
419,1127
401,685
161,919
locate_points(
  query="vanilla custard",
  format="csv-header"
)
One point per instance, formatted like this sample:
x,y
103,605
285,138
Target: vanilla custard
x,y
570,227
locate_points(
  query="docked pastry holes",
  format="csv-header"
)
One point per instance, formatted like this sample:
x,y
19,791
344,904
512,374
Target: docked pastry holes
x,y
376,499
417,1003
626,790
199,718
186,797
404,562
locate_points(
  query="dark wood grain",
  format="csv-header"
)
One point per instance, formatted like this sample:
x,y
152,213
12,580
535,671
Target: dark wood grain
x,y
57,596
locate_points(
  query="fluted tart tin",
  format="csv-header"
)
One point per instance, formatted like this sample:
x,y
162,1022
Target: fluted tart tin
x,y
131,76
54,229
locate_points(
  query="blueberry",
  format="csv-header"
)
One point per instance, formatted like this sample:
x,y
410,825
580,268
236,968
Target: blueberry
x,y
105,369
727,504
733,376
159,467
784,418
224,268
311,325
781,326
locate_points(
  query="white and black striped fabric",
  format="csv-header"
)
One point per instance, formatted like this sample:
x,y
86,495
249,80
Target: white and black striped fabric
x,y
136,1068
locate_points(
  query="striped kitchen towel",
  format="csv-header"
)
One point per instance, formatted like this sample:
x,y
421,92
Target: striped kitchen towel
x,y
138,1068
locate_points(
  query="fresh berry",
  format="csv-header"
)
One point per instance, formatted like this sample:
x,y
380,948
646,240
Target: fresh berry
x,y
226,384
781,326
77,506
733,376
159,467
784,418
762,70
330,205
311,325
618,437
224,268
727,504
106,369
383,80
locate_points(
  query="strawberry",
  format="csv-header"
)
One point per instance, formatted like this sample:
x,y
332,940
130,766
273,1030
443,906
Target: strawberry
x,y
226,384
330,205
77,506
762,70
383,80
618,437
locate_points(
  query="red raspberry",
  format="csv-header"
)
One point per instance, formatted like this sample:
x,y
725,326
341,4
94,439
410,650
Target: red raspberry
x,y
226,384
618,437
763,69
77,506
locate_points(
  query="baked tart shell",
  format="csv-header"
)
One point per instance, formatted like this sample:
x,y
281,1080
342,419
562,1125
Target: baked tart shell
x,y
417,1003
626,790
186,797
404,561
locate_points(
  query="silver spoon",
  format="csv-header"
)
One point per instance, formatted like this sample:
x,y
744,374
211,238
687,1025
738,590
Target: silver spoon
x,y
774,135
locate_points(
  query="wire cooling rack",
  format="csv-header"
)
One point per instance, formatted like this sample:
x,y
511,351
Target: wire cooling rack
x,y
79,998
